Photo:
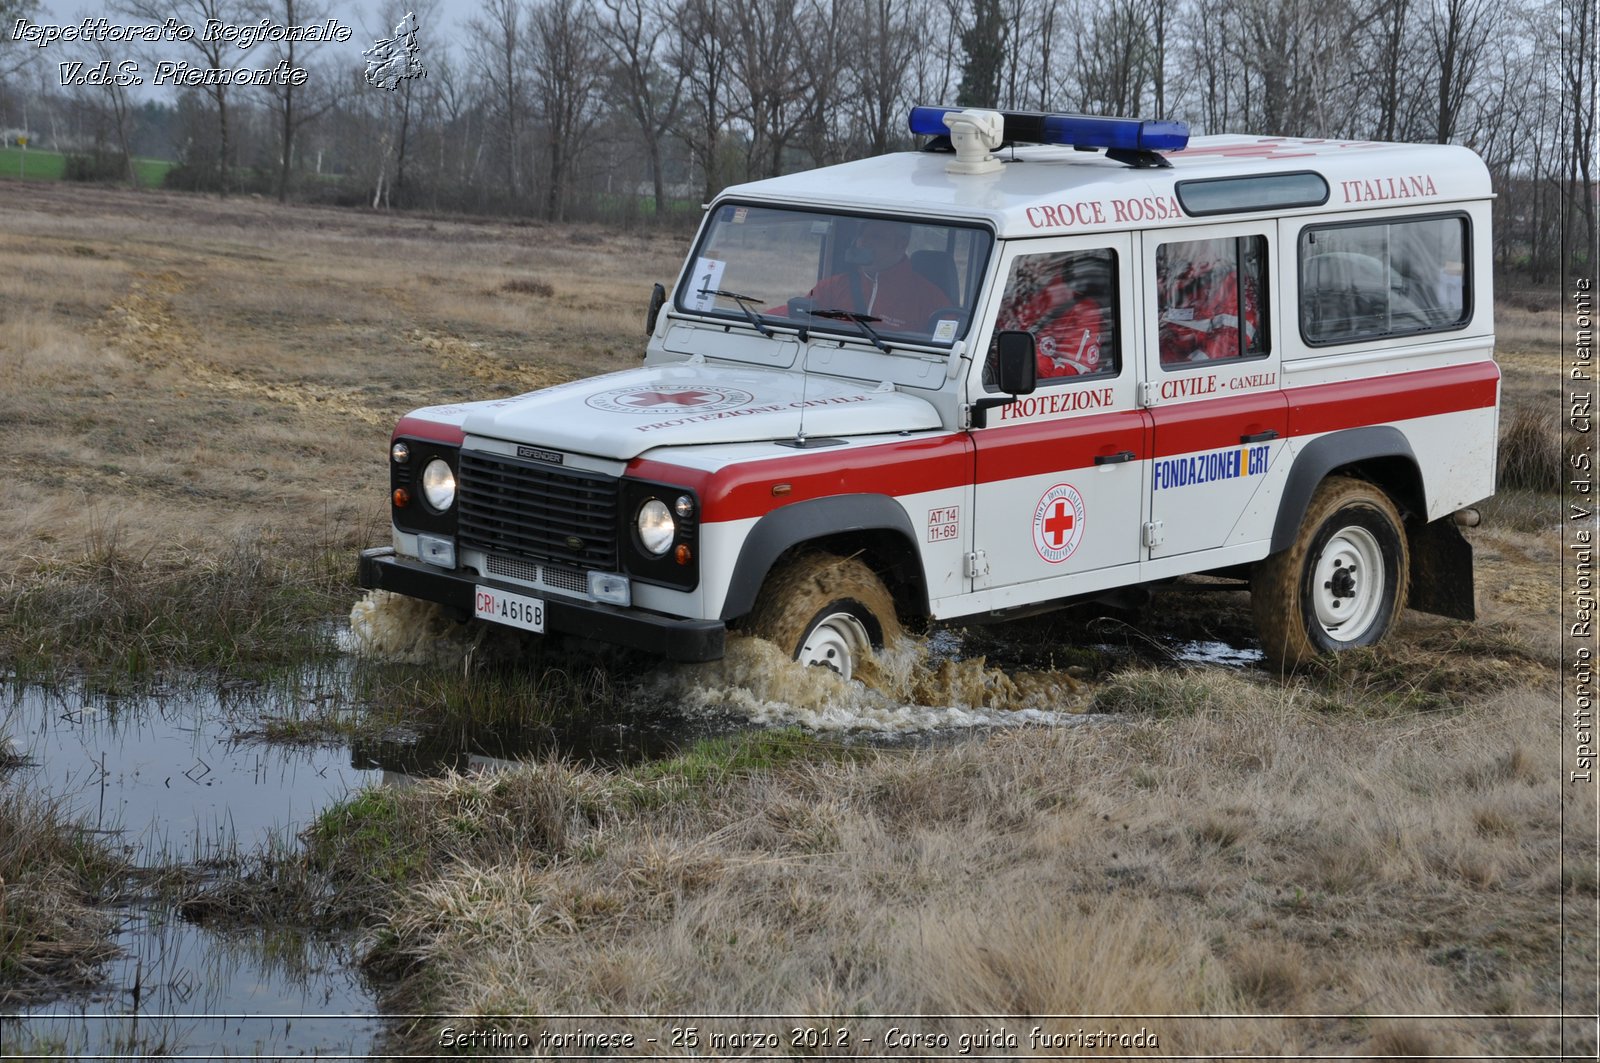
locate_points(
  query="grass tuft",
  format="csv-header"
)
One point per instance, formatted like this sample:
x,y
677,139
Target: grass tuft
x,y
1164,692
112,613
1531,457
52,872
529,286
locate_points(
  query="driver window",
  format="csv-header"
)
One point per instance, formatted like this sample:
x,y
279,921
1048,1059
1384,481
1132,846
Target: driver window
x,y
1067,299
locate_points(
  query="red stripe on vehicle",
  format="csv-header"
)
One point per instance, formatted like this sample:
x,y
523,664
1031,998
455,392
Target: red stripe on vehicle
x,y
1211,424
1215,424
747,489
1060,445
417,428
1381,400
1063,444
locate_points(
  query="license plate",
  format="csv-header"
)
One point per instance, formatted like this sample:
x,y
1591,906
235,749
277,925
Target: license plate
x,y
513,610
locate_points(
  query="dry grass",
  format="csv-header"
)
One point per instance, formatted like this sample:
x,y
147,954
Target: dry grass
x,y
1254,853
51,873
210,385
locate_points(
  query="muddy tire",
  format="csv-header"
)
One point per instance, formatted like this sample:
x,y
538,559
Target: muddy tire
x,y
826,611
1342,583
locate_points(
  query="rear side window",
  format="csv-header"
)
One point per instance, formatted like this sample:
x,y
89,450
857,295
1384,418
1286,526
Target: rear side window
x,y
1212,300
1379,279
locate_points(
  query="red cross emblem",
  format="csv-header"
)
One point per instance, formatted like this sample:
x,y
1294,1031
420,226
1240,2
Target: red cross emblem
x,y
669,398
1059,520
1058,524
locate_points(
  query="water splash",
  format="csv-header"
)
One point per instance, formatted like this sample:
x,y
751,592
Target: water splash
x,y
905,690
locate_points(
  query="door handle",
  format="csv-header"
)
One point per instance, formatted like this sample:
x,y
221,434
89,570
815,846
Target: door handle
x,y
1259,437
1114,459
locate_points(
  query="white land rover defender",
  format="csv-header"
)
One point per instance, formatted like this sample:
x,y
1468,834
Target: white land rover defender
x,y
1045,358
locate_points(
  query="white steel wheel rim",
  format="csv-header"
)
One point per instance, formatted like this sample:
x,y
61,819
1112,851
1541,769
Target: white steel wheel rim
x,y
837,641
1348,584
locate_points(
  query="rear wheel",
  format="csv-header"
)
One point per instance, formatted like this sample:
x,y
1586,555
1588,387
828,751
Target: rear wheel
x,y
1341,584
825,611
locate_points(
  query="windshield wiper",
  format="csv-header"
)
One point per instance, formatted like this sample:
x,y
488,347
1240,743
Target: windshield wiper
x,y
744,302
859,319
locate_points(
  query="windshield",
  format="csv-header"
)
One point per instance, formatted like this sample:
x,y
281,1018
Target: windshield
x,y
879,279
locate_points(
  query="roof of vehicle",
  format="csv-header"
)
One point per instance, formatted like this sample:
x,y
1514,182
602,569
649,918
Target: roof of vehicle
x,y
1046,190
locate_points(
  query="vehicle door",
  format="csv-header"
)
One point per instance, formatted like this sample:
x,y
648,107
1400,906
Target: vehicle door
x,y
1212,385
1059,473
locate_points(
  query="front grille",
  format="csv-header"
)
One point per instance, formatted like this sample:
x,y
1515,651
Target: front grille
x,y
556,577
530,510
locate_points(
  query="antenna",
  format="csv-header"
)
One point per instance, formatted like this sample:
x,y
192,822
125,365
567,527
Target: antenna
x,y
805,388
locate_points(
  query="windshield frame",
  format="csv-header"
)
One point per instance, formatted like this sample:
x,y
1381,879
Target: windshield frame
x,y
844,329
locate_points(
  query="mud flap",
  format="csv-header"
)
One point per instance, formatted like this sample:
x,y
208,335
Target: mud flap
x,y
1441,571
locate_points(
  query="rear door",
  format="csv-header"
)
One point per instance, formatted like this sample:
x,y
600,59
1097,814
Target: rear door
x,y
1212,387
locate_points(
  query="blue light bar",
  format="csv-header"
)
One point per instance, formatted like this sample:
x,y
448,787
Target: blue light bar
x,y
1074,130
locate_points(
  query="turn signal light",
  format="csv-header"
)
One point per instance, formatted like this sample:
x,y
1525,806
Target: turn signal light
x,y
402,498
681,554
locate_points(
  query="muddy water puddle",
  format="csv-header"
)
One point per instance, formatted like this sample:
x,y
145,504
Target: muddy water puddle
x,y
186,779
164,780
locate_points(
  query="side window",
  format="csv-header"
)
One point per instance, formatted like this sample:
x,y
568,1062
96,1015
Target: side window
x,y
1372,280
1068,300
1212,300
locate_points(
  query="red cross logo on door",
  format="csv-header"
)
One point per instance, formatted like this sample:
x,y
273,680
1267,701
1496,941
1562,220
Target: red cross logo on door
x,y
1058,523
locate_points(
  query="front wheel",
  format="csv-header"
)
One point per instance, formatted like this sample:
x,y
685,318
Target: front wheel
x,y
1341,584
825,611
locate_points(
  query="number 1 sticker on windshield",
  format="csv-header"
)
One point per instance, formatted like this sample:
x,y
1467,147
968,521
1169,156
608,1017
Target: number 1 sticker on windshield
x,y
707,279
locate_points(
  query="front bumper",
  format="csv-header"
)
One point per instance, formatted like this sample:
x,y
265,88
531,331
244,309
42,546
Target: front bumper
x,y
671,637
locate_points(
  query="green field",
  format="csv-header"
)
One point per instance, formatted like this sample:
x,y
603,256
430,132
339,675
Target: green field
x,y
49,166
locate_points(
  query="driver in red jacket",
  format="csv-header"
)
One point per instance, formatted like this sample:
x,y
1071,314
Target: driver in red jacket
x,y
881,281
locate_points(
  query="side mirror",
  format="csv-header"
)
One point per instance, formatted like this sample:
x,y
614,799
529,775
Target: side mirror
x,y
1017,367
658,299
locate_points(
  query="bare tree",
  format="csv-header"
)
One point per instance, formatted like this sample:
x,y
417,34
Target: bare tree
x,y
294,105
10,12
701,56
499,57
762,60
1115,58
568,70
1580,74
878,69
212,52
649,88
1458,35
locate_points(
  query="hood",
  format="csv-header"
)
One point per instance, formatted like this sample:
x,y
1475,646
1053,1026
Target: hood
x,y
622,415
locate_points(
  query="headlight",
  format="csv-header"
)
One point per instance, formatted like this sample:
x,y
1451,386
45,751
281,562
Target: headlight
x,y
656,527
439,484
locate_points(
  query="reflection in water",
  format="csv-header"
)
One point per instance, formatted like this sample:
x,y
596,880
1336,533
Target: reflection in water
x,y
164,776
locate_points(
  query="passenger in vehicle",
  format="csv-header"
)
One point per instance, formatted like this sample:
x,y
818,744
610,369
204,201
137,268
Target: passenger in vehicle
x,y
1071,328
882,282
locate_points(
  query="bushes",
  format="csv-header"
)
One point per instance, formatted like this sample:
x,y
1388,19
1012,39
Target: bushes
x,y
103,166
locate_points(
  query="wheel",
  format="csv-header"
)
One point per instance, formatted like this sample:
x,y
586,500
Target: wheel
x,y
1342,583
825,611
